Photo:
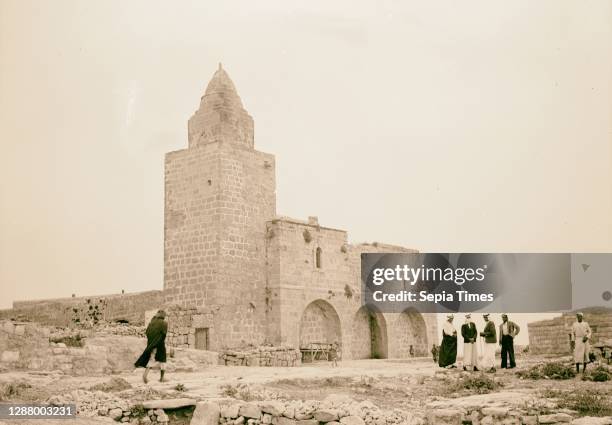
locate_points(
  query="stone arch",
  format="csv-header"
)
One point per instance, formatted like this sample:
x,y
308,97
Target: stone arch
x,y
411,330
369,334
320,323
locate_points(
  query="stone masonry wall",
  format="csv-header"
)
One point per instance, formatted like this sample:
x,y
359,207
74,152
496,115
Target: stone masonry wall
x,y
262,356
299,290
86,310
552,336
218,198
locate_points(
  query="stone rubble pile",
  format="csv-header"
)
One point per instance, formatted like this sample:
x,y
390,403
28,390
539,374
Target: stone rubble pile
x,y
262,356
507,408
119,329
92,403
334,410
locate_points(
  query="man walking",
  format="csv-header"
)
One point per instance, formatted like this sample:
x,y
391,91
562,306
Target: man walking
x,y
156,342
490,338
469,334
448,348
507,331
581,333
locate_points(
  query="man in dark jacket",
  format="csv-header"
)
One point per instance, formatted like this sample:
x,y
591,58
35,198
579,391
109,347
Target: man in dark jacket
x,y
156,342
507,331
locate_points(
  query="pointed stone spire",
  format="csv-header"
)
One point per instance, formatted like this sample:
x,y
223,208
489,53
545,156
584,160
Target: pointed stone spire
x,y
221,116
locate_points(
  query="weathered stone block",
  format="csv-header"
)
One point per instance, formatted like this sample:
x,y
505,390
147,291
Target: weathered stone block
x,y
250,410
10,356
206,413
495,411
326,415
281,420
352,420
273,407
554,418
231,411
169,403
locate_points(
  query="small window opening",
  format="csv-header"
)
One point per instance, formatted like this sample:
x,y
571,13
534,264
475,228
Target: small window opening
x,y
318,259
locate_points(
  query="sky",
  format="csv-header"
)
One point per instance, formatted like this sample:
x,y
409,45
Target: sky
x,y
479,126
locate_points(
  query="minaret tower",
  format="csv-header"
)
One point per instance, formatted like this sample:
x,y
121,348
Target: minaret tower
x,y
219,193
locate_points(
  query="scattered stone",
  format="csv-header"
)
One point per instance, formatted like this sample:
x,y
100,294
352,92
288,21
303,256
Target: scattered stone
x,y
283,421
495,411
115,414
206,413
250,410
231,411
273,407
326,415
588,420
352,420
554,418
529,420
163,418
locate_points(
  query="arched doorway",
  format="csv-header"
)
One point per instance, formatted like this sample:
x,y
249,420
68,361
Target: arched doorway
x,y
369,335
411,331
320,324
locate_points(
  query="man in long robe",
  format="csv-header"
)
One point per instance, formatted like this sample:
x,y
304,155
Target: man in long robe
x,y
490,344
580,336
448,349
469,334
156,343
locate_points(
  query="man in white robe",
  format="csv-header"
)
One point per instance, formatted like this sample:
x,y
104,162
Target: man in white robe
x,y
489,334
580,336
469,334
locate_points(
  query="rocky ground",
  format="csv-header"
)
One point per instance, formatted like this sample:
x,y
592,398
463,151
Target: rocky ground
x,y
377,392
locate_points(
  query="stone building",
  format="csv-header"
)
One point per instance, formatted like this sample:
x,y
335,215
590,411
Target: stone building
x,y
236,273
250,276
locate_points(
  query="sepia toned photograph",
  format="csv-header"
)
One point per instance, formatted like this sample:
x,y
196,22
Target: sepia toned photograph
x,y
306,213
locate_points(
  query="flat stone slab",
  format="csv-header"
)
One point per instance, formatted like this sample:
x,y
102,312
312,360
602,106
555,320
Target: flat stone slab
x,y
500,399
169,403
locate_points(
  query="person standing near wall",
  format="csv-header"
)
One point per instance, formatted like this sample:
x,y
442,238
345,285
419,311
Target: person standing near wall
x,y
156,343
581,333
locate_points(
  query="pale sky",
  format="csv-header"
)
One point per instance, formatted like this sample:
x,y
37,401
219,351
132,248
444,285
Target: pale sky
x,y
443,126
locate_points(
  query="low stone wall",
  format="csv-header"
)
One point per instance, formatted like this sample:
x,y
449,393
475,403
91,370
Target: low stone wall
x,y
334,410
262,356
552,336
86,310
26,346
